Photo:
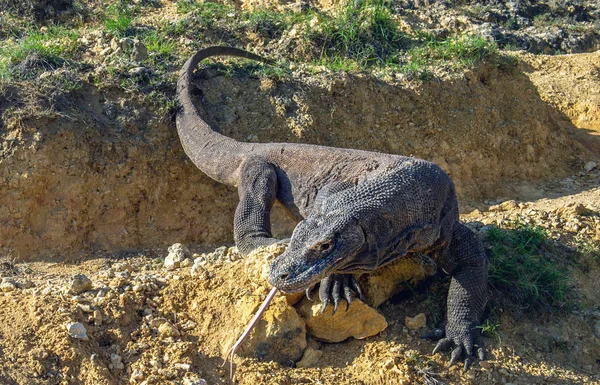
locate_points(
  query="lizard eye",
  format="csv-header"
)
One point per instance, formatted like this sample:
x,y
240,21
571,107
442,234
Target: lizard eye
x,y
325,246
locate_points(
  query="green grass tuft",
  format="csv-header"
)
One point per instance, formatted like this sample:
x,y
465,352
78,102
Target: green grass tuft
x,y
363,31
118,21
521,270
53,45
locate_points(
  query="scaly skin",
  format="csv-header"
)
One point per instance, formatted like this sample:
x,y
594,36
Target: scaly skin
x,y
358,211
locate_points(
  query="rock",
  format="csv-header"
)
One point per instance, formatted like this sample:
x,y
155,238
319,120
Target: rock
x,y
97,317
136,71
416,322
279,336
574,209
310,358
505,206
106,51
198,271
79,284
177,253
188,325
77,330
136,375
140,52
126,44
8,284
589,166
166,329
383,283
485,364
116,362
360,321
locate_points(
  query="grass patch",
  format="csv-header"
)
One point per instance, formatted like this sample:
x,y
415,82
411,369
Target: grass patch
x,y
118,19
363,31
462,51
521,269
587,250
53,46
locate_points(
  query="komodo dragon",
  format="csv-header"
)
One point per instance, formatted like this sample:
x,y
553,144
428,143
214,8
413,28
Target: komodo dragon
x,y
358,211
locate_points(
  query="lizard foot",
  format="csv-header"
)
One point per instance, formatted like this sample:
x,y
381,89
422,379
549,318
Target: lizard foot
x,y
462,339
337,287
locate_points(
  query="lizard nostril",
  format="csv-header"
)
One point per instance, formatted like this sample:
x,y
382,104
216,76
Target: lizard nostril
x,y
284,276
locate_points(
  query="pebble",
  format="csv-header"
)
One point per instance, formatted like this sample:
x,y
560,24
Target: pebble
x,y
589,166
177,253
97,317
166,329
416,322
138,71
8,284
485,364
198,271
140,52
116,362
136,375
77,330
79,284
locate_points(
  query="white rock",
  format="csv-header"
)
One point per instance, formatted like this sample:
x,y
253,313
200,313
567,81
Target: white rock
x,y
116,361
77,330
136,375
589,166
8,284
177,253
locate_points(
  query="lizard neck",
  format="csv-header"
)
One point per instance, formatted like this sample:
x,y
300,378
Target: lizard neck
x,y
216,155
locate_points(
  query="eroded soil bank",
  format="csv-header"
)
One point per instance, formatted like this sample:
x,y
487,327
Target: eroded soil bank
x,y
98,171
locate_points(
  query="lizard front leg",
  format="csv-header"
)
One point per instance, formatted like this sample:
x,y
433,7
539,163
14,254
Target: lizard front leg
x,y
466,298
257,189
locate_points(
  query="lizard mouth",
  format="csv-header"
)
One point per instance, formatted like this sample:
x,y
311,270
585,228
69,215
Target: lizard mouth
x,y
292,282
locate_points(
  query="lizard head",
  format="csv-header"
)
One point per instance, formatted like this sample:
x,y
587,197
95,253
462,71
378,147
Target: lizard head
x,y
322,244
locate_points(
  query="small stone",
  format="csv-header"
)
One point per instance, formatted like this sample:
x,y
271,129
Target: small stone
x,y
187,262
136,375
166,329
310,358
589,166
79,284
198,271
140,52
126,44
77,330
177,253
116,362
485,364
138,71
360,321
106,51
97,317
416,322
189,325
8,284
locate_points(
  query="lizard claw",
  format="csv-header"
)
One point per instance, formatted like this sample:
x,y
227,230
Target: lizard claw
x,y
464,340
338,287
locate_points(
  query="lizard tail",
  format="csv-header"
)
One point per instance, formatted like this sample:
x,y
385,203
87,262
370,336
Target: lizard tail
x,y
216,155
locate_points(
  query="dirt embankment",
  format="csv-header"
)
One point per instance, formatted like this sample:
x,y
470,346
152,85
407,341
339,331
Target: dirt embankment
x,y
98,171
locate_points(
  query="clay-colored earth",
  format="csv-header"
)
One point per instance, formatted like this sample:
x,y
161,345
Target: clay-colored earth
x,y
93,182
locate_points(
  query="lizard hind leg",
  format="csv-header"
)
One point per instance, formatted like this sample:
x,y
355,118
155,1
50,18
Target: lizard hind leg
x,y
257,189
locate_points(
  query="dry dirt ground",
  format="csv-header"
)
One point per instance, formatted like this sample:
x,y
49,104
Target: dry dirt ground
x,y
130,292
79,182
